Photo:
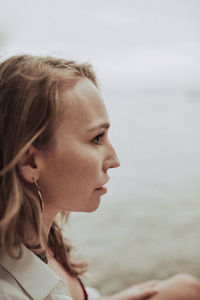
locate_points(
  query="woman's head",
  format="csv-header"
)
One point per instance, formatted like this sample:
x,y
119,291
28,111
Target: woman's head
x,y
45,103
75,169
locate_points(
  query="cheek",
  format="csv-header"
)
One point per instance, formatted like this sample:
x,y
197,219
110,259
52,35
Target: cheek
x,y
72,178
85,169
80,167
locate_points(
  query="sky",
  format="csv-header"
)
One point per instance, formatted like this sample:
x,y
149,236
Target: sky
x,y
134,45
146,54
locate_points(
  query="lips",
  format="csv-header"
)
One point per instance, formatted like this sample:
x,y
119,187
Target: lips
x,y
102,189
102,186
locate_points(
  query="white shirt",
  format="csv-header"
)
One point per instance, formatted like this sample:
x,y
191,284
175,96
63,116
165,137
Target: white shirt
x,y
30,278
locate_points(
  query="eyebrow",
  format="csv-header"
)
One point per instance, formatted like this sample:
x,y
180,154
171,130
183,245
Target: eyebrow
x,y
105,125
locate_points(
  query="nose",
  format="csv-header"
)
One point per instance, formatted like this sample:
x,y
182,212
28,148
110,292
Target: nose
x,y
111,160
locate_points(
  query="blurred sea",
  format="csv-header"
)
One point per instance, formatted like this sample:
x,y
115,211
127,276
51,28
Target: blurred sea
x,y
148,224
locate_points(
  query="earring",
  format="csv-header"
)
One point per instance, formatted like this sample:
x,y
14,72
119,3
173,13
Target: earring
x,y
39,194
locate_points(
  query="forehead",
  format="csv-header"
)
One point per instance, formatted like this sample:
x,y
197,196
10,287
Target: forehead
x,y
83,106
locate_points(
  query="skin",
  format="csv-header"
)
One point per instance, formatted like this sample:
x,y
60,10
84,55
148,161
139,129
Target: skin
x,y
178,287
74,170
71,175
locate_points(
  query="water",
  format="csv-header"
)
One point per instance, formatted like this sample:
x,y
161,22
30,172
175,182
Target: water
x,y
148,225
157,139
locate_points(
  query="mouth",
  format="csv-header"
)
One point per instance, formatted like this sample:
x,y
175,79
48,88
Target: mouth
x,y
102,189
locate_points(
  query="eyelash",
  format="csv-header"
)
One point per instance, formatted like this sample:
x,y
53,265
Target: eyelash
x,y
99,136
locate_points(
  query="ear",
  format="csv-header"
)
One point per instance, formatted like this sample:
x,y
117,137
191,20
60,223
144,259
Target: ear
x,y
27,166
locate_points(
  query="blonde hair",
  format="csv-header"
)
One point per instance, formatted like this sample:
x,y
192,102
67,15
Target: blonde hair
x,y
29,112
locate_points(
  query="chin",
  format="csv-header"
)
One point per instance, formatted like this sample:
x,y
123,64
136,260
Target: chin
x,y
93,207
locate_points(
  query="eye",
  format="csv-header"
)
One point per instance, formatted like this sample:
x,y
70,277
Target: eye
x,y
97,138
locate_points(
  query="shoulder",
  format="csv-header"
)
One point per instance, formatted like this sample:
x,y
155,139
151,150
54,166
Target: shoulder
x,y
9,289
179,287
189,284
9,292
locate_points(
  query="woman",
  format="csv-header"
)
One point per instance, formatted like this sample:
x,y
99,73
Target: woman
x,y
54,158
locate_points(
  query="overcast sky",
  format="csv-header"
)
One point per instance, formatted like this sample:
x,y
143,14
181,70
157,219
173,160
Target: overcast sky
x,y
137,47
133,44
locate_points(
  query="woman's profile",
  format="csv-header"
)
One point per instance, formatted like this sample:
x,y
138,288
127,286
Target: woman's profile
x,y
54,157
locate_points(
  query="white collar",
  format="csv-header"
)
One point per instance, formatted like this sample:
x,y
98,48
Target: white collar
x,y
36,278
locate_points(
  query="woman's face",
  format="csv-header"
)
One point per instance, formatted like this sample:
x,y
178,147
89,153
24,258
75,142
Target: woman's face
x,y
75,170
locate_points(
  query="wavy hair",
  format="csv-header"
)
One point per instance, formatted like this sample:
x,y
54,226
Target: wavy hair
x,y
29,113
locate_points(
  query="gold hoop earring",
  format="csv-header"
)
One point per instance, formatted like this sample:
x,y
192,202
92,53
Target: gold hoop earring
x,y
39,194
